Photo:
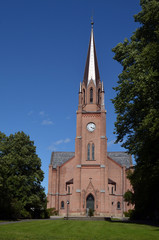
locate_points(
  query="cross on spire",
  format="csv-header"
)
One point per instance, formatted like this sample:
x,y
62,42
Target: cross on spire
x,y
92,23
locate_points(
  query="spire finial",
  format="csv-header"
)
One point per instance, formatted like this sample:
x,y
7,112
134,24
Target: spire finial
x,y
92,23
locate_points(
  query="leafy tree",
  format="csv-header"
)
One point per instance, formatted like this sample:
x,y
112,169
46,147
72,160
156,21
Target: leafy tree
x,y
128,197
20,178
137,107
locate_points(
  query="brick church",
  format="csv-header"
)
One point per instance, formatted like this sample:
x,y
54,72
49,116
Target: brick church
x,y
90,177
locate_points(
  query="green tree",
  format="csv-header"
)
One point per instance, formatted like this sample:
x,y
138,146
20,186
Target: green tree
x,y
21,193
137,107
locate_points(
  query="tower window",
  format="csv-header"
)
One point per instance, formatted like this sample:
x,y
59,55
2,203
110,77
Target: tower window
x,y
91,95
88,152
92,151
62,204
99,96
84,96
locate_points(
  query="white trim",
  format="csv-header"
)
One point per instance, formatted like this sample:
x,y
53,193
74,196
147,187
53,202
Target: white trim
x,y
102,166
78,190
102,191
78,166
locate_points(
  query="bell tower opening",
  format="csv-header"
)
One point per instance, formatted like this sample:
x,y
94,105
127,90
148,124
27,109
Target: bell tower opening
x,y
91,95
90,201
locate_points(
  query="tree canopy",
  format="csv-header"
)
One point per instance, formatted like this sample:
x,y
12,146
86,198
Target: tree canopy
x,y
137,106
20,178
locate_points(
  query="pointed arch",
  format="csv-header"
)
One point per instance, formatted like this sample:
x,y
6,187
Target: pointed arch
x,y
62,204
91,95
88,151
112,190
93,151
90,201
84,96
99,96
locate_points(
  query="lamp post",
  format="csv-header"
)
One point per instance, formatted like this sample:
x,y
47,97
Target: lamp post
x,y
67,208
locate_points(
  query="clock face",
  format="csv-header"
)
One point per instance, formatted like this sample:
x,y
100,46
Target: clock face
x,y
91,127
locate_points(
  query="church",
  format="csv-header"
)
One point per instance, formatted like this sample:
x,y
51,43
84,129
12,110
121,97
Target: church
x,y
90,177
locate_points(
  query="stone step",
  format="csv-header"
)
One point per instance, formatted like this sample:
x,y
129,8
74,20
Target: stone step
x,y
88,218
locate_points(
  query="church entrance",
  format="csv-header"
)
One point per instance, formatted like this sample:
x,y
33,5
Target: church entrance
x,y
90,202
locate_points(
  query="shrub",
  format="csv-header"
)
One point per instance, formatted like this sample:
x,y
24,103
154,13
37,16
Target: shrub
x,y
90,212
130,214
52,212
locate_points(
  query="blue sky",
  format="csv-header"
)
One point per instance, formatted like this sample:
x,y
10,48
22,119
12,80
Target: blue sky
x,y
43,49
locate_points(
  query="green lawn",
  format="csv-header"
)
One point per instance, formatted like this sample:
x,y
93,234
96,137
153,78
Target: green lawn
x,y
80,230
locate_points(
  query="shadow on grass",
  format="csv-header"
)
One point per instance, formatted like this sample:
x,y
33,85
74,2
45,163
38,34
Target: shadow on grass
x,y
140,222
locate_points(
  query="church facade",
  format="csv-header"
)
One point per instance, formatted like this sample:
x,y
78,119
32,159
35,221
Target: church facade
x,y
90,177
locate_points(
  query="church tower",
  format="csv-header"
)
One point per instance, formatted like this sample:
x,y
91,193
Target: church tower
x,y
90,177
91,143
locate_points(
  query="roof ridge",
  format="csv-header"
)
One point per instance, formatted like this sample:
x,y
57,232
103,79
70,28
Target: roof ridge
x,y
117,152
62,152
120,157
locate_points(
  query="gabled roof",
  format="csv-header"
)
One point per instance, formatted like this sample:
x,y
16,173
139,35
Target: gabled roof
x,y
59,158
122,158
111,182
91,68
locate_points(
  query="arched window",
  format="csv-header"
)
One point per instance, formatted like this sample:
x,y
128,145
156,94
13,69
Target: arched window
x,y
118,205
62,204
99,96
84,96
88,152
92,151
90,202
91,95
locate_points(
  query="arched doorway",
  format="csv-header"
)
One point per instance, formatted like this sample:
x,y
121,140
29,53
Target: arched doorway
x,y
90,201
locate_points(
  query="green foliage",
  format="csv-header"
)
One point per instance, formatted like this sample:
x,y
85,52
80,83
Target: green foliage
x,y
90,212
20,178
137,106
52,212
129,197
129,213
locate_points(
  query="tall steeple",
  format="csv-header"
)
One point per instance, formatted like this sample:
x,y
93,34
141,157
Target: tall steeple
x,y
91,68
91,94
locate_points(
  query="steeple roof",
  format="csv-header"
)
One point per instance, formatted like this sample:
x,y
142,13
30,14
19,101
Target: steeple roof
x,y
91,68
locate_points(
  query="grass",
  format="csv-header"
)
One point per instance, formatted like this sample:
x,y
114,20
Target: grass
x,y
77,230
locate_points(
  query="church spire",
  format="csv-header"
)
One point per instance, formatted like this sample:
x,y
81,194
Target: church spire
x,y
91,69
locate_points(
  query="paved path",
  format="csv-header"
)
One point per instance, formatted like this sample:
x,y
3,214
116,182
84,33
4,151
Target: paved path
x,y
82,218
30,220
